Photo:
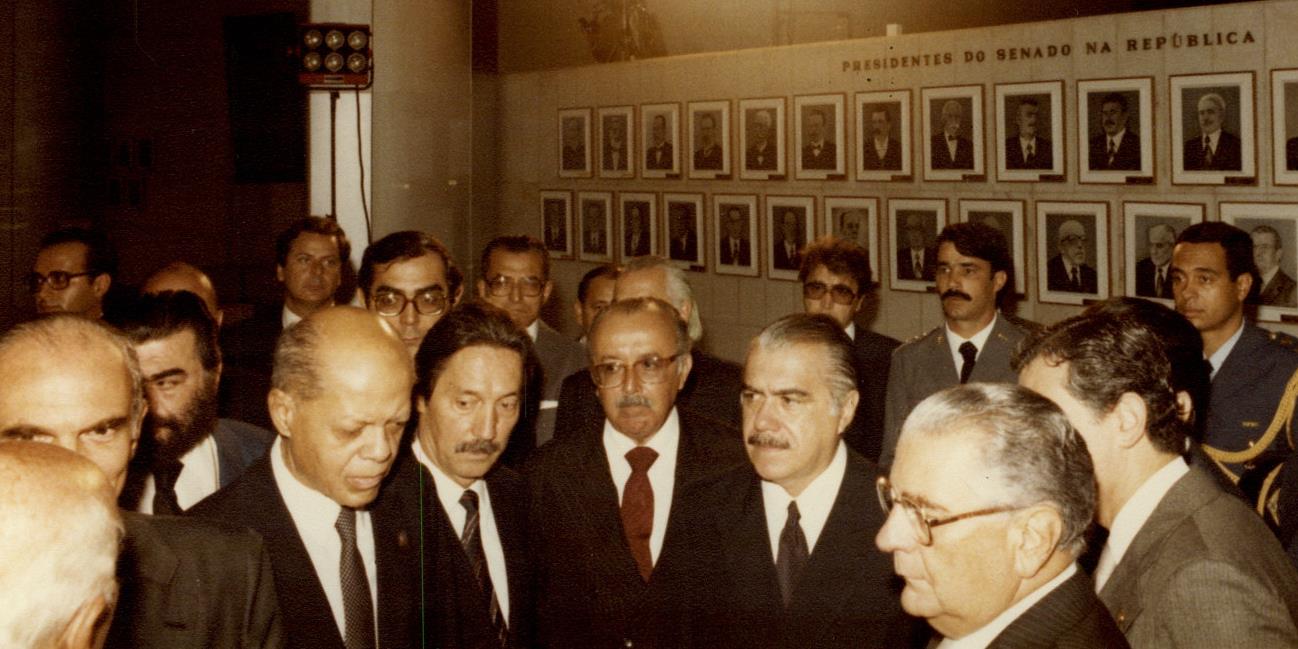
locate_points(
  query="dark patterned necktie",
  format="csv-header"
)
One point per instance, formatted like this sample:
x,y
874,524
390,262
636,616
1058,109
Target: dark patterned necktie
x,y
165,475
1077,283
969,352
1207,151
1158,283
1113,150
792,557
638,508
358,607
471,539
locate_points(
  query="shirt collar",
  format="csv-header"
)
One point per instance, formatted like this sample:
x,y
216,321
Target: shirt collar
x,y
1133,514
984,636
288,318
1213,139
1117,137
850,330
298,497
1219,357
448,490
665,441
534,329
953,340
814,503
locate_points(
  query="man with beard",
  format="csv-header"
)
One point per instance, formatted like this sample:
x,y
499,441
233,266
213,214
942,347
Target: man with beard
x,y
188,453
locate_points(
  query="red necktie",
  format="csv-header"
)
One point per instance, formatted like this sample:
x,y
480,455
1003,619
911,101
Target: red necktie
x,y
638,508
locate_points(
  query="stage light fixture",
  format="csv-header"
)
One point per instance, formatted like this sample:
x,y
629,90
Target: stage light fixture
x,y
335,55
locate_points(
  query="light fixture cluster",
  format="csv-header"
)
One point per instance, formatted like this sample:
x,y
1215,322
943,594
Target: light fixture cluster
x,y
335,55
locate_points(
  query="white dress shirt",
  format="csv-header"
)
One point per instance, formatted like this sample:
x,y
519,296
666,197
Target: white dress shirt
x,y
979,340
287,318
1218,357
533,330
662,473
881,147
1212,140
851,330
200,477
984,636
1115,141
314,515
1133,515
449,493
814,503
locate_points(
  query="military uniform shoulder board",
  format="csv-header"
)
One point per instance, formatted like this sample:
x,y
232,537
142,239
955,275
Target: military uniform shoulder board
x,y
1283,339
918,337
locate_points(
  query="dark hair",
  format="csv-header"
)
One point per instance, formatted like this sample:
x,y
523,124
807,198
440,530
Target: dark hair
x,y
1114,98
1125,346
101,256
1237,244
981,241
315,225
400,246
821,330
470,324
603,270
1029,101
840,257
152,316
518,244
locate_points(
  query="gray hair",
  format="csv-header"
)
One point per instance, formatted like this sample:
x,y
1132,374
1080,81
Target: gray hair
x,y
678,288
1027,440
296,370
822,331
1214,98
645,307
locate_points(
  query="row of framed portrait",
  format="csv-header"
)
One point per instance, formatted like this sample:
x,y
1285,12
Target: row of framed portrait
x,y
1072,250
1211,116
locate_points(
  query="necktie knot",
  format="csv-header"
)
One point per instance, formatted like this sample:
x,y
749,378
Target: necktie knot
x,y
641,458
795,518
469,501
968,352
346,524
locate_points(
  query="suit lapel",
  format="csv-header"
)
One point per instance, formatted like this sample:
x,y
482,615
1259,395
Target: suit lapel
x,y
592,481
393,557
156,562
1042,624
1236,372
505,496
750,562
940,358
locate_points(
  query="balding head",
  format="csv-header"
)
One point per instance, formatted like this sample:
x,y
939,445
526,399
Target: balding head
x,y
61,519
656,277
180,276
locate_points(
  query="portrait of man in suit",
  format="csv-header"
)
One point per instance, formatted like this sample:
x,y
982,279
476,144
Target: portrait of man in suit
x,y
950,148
1068,270
1278,288
574,144
849,224
635,229
818,150
1116,147
916,259
594,239
707,152
762,152
1029,148
736,248
556,224
682,233
614,157
658,155
882,150
1154,271
1213,148
787,254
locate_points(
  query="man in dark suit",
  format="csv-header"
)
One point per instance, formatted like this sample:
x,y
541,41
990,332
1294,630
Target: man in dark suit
x,y
615,149
1185,564
1028,150
1117,148
761,154
681,235
916,260
882,150
1214,149
788,250
1278,287
1068,271
949,149
658,155
1006,461
1291,154
595,241
340,399
708,156
574,145
1154,273
817,153
835,278
73,382
635,236
594,294
736,249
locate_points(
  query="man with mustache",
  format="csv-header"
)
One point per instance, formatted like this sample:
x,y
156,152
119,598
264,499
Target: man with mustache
x,y
974,343
606,508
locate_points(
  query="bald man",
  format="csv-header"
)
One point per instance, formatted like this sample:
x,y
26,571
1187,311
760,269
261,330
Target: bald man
x,y
180,276
60,518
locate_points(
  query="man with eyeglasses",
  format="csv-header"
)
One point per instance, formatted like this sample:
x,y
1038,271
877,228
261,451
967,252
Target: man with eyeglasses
x,y
975,341
73,272
835,278
606,508
410,280
987,507
1068,271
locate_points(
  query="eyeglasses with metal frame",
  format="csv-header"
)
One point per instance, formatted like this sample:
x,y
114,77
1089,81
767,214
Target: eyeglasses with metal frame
x,y
57,279
649,370
920,522
392,303
500,286
840,293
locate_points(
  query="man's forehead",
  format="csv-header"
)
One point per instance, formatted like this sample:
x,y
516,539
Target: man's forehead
x,y
785,367
646,282
66,256
54,394
509,263
822,273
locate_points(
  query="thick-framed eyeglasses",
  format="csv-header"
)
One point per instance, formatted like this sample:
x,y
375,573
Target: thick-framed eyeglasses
x,y
427,302
649,370
57,280
840,293
920,522
500,286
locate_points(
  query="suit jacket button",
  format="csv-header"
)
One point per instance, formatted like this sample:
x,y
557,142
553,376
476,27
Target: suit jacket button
x,y
1122,617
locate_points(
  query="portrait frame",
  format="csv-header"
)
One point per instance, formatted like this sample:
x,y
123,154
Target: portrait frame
x,y
671,113
867,235
932,102
603,251
1283,218
1130,165
695,256
648,201
753,167
1137,218
721,205
557,242
719,110
923,215
1012,210
1011,165
807,166
1093,217
867,103
1284,126
606,117
773,252
1238,91
574,164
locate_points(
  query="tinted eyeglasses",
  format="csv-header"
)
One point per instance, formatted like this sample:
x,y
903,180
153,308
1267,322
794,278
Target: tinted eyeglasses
x,y
392,303
920,522
840,293
650,370
57,280
500,286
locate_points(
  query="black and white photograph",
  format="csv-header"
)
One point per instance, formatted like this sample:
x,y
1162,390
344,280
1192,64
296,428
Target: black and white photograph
x,y
709,138
556,223
616,141
913,226
953,133
819,137
685,227
856,219
1284,126
1030,131
790,226
1072,252
1212,129
1115,119
1006,216
1150,231
761,138
1274,229
595,225
639,218
659,129
737,248
574,143
883,135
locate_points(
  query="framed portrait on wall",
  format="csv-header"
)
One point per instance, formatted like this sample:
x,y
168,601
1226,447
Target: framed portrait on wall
x,y
1274,228
595,225
709,138
1030,131
737,244
685,238
556,222
913,226
638,214
819,137
761,138
953,133
1212,129
1284,126
616,144
1072,251
574,143
790,225
1006,216
1115,130
856,219
659,129
883,135
1150,231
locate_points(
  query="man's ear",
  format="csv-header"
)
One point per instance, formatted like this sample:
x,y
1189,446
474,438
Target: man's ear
x,y
482,290
1034,537
459,295
101,283
849,410
685,362
1243,284
282,409
545,292
1131,415
279,273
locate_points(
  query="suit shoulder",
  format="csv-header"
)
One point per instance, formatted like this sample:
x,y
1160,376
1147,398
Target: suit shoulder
x,y
1279,339
1021,327
870,340
241,498
191,536
916,340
